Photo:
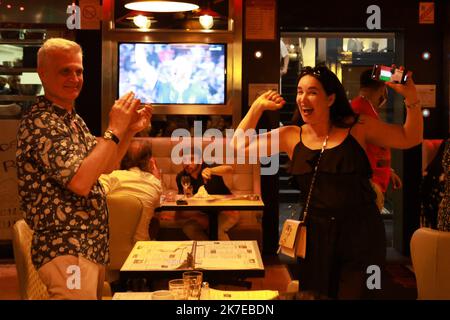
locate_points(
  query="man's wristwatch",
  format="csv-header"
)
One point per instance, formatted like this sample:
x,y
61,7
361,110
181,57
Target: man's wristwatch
x,y
109,135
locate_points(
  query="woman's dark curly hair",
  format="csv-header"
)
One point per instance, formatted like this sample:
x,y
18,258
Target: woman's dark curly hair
x,y
340,111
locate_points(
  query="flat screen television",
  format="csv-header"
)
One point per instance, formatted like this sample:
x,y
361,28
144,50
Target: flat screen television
x,y
173,73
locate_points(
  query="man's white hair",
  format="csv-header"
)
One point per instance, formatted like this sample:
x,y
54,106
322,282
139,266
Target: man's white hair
x,y
57,45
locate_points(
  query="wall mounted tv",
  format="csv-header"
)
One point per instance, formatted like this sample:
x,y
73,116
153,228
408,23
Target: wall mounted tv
x,y
173,73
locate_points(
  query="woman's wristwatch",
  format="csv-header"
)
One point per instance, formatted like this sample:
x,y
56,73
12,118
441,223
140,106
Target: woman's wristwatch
x,y
109,135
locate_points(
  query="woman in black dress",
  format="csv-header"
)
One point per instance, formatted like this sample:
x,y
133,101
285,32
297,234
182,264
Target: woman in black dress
x,y
345,231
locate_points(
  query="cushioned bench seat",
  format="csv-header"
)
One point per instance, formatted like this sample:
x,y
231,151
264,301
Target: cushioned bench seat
x,y
245,179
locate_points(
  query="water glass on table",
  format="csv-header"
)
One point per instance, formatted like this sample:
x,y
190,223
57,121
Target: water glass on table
x,y
179,289
194,279
185,183
188,192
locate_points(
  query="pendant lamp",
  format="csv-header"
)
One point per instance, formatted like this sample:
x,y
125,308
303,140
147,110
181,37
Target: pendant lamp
x,y
162,6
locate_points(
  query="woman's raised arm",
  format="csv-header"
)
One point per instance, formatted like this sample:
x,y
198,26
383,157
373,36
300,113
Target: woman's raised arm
x,y
398,136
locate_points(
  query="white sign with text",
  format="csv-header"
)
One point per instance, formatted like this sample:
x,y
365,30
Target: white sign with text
x,y
9,197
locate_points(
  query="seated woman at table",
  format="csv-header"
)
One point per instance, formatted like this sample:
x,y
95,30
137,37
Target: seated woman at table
x,y
138,176
211,179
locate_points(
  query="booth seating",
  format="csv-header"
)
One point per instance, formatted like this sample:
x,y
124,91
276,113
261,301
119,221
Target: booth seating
x,y
431,262
245,179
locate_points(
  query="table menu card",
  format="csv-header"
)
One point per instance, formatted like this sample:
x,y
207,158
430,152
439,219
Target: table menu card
x,y
194,255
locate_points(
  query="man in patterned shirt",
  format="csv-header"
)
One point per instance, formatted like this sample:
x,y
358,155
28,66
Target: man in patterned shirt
x,y
59,162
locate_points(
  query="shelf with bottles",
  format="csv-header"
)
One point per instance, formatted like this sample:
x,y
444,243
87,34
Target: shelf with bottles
x,y
18,55
21,42
17,98
19,80
22,36
11,71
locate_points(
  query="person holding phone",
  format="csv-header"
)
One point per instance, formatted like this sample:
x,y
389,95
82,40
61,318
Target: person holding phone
x,y
284,55
372,97
391,74
345,232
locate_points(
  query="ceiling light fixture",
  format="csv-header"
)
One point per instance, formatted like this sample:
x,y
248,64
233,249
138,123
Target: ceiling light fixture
x,y
206,21
162,6
141,21
206,17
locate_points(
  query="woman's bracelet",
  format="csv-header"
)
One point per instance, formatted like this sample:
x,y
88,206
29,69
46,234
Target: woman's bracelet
x,y
413,105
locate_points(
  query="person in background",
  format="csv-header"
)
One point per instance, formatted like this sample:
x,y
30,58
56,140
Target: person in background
x,y
345,230
211,178
3,82
444,207
355,45
58,165
138,176
372,97
433,181
8,109
185,88
14,83
284,55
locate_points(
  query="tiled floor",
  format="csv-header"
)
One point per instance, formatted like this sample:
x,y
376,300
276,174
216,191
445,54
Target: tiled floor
x,y
9,284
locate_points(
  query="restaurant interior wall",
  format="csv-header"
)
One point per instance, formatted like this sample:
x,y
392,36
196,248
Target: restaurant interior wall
x,y
264,70
402,18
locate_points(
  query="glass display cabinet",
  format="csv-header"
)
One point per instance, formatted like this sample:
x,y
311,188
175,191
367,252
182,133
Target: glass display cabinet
x,y
19,81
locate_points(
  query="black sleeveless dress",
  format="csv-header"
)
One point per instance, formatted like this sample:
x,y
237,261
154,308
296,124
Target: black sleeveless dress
x,y
345,230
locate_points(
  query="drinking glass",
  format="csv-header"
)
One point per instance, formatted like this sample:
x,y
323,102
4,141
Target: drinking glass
x,y
179,289
186,183
167,195
194,280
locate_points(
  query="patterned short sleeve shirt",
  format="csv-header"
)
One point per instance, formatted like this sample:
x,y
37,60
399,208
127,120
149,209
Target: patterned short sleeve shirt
x,y
51,145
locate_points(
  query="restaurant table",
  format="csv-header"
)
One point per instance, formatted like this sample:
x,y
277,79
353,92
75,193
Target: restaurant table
x,y
211,294
213,205
220,261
